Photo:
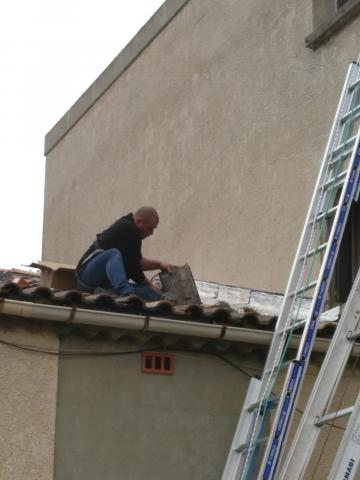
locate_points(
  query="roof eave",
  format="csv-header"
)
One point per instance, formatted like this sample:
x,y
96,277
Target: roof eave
x,y
143,323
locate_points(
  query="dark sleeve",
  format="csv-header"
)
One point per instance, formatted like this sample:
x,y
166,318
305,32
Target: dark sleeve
x,y
124,236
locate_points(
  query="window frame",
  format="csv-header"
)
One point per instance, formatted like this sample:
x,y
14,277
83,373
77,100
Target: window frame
x,y
328,19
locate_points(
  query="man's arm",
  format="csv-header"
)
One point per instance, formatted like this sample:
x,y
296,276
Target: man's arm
x,y
148,264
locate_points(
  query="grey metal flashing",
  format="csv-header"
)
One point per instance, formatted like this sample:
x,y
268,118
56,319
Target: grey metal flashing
x,y
342,16
264,303
126,57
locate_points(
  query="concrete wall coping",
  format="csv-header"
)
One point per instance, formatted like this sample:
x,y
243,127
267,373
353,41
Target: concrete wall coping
x,y
168,10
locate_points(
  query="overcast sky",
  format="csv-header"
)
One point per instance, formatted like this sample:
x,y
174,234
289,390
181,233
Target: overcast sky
x,y
51,52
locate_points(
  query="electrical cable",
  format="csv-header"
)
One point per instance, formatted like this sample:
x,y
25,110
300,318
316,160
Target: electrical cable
x,y
46,351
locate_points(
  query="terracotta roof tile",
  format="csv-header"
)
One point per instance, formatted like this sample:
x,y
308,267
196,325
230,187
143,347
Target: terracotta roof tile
x,y
217,314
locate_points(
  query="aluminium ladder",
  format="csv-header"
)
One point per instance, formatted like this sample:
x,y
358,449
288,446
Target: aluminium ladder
x,y
315,414
334,192
336,187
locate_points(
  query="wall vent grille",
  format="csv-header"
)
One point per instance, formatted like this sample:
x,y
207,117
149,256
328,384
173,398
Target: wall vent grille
x,y
156,362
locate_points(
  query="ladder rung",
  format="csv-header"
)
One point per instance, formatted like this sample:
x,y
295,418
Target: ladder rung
x,y
310,286
344,146
320,248
336,181
245,446
354,85
329,213
343,156
353,115
278,366
295,326
274,400
353,335
333,416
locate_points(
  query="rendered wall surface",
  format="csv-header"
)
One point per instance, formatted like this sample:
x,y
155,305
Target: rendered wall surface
x,y
220,123
114,422
27,403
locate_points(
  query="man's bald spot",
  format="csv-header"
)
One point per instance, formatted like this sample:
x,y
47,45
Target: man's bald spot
x,y
147,214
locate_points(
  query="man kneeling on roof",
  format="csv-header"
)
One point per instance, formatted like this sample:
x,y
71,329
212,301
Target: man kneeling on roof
x,y
115,257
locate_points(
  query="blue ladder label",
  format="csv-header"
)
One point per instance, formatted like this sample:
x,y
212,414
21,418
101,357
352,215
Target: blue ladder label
x,y
295,376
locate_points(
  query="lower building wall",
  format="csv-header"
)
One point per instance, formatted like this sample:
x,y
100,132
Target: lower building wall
x,y
27,402
113,421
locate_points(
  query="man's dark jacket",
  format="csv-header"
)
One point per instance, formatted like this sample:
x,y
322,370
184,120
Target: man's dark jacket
x,y
126,237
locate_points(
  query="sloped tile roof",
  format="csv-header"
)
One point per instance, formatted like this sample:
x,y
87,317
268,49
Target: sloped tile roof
x,y
254,312
218,313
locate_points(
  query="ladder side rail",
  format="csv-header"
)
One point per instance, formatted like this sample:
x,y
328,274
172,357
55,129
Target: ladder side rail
x,y
298,268
332,249
295,374
357,191
347,459
342,132
281,422
278,343
234,461
326,269
303,244
334,363
344,106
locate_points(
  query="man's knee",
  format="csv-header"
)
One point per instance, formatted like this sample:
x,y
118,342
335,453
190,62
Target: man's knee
x,y
114,253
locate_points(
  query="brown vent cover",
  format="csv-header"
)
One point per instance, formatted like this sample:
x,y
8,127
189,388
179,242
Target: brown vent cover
x,y
181,285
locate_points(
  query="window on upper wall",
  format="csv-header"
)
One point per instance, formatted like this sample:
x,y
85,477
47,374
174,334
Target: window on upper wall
x,y
329,16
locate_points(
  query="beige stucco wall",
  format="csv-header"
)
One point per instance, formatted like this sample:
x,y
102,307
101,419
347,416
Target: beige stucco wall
x,y
220,123
115,422
27,403
109,414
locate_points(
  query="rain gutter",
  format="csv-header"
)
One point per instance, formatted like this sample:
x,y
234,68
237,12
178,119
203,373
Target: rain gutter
x,y
72,315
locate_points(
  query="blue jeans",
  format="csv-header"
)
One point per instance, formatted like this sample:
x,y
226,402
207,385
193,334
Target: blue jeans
x,y
106,270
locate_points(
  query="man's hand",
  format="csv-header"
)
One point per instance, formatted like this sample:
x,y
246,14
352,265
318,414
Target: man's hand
x,y
165,267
